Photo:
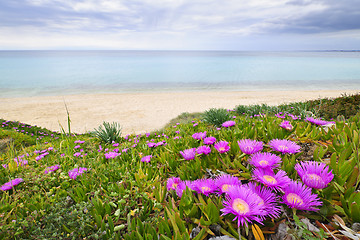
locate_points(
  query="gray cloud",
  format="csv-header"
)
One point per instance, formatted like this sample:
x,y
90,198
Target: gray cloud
x,y
176,20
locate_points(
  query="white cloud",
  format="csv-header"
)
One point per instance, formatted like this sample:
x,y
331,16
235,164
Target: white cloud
x,y
139,24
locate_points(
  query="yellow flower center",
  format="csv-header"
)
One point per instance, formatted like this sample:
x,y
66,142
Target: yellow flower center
x,y
294,198
263,162
221,148
249,148
174,185
240,206
205,189
314,177
270,179
283,148
225,187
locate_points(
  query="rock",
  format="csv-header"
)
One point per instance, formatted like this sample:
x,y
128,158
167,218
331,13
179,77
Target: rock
x,y
222,238
356,227
194,232
311,227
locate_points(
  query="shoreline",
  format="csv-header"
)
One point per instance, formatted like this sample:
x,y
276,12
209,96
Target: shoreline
x,y
143,111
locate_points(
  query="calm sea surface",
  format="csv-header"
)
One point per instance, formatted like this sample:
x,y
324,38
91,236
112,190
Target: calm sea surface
x,y
32,73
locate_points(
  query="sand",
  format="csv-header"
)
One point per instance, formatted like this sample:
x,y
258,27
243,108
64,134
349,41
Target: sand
x,y
138,112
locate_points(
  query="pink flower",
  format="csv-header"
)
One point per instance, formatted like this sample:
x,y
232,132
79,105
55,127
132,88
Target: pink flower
x,y
244,204
74,173
284,146
223,182
314,174
146,158
172,183
318,121
203,150
188,154
9,185
222,146
249,146
209,140
300,197
204,186
264,160
228,124
51,169
286,125
270,179
199,135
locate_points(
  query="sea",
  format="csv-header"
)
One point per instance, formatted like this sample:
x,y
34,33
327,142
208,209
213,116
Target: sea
x,y
48,73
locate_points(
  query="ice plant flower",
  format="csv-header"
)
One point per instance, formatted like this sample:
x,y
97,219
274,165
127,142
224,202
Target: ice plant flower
x,y
203,150
249,146
204,186
9,185
146,158
209,140
199,135
222,146
268,200
180,188
274,181
244,204
286,125
51,169
284,146
76,172
314,174
318,121
300,197
265,160
172,183
111,155
188,154
224,181
228,124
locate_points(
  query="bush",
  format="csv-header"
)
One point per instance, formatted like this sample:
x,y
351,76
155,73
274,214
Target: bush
x,y
255,109
216,116
108,132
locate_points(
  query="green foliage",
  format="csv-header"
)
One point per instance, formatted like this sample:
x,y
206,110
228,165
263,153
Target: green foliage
x,y
108,132
121,197
16,139
302,231
67,220
184,118
255,109
216,116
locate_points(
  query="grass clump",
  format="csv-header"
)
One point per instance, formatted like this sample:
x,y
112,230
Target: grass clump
x,y
216,116
255,109
18,140
108,132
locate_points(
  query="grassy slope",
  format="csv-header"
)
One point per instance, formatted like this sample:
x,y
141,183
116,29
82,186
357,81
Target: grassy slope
x,y
123,197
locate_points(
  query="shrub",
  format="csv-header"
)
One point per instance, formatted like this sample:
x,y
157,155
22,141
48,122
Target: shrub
x,y
108,132
216,116
255,109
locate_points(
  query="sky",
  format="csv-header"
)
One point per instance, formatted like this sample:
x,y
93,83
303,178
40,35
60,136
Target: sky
x,y
246,25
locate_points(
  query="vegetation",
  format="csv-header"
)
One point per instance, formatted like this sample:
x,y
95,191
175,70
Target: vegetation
x,y
105,190
216,116
108,132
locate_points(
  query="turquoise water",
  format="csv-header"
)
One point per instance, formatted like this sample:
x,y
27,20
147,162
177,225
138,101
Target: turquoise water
x,y
32,73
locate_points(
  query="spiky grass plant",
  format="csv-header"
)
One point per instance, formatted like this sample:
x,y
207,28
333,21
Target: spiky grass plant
x,y
108,132
216,116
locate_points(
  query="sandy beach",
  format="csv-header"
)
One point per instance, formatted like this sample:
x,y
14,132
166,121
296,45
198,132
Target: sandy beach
x,y
138,112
